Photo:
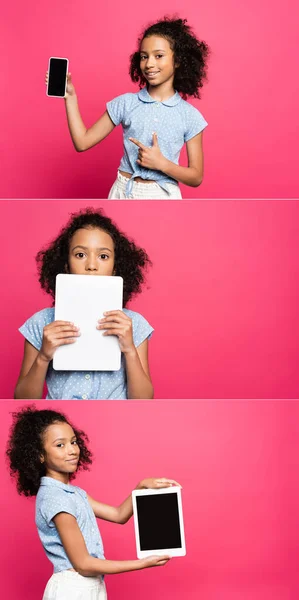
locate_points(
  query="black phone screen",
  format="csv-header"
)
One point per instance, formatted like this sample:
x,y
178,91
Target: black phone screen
x,y
158,522
57,76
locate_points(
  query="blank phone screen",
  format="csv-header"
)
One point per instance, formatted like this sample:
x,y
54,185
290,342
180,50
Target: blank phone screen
x,y
158,521
57,76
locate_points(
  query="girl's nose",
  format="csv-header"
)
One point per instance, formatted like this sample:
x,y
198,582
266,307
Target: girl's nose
x,y
150,62
91,264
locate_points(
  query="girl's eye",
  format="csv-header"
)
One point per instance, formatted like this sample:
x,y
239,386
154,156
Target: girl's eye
x,y
74,442
59,445
104,256
80,254
159,55
142,57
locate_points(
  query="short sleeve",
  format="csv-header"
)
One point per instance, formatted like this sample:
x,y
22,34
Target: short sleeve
x,y
33,328
56,501
116,109
195,123
142,330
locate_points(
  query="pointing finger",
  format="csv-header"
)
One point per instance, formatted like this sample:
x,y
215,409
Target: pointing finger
x,y
137,143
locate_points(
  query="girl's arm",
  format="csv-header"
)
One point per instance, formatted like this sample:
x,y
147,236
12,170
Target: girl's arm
x,y
32,375
139,385
152,158
88,566
35,363
84,138
121,514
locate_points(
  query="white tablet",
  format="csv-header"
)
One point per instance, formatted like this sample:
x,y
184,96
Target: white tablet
x,y
82,299
158,520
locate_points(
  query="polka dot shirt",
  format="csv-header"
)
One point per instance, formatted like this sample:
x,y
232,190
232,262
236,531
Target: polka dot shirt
x,y
175,122
54,497
83,385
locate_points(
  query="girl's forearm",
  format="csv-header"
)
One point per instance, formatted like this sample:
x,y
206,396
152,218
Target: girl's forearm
x,y
76,126
31,385
187,175
91,567
138,383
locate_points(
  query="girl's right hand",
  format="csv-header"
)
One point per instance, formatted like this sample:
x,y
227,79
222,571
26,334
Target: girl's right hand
x,y
70,89
57,334
156,561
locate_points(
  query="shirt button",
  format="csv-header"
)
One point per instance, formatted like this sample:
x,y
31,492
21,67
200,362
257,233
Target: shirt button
x,y
84,397
87,376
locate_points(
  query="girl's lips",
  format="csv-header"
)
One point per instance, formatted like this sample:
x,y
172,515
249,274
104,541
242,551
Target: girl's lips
x,y
73,460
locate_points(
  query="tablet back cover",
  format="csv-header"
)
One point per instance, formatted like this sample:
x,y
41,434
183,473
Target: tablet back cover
x,y
82,299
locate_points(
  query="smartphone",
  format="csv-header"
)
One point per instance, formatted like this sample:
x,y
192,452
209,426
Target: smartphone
x,y
58,69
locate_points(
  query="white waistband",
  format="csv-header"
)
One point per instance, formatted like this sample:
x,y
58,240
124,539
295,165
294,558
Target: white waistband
x,y
77,579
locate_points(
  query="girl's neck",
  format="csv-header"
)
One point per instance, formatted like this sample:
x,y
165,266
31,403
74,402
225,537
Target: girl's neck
x,y
161,92
63,477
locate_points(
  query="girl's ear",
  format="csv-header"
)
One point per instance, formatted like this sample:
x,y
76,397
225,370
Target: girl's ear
x,y
42,458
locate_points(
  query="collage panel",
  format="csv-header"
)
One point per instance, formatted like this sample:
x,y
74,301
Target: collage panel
x,y
249,99
215,317
236,463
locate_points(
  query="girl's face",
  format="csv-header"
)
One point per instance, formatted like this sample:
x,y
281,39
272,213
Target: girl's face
x,y
61,451
157,60
91,252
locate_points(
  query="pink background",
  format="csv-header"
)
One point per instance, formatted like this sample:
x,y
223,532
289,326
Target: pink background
x,y
238,465
250,101
223,293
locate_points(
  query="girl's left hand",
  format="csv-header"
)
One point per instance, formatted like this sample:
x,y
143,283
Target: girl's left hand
x,y
150,157
153,483
115,322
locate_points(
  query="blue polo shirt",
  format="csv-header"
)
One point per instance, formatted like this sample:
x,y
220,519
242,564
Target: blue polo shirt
x,y
54,497
175,122
84,385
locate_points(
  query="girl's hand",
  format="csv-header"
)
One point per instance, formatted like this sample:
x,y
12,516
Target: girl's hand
x,y
155,561
70,90
57,334
150,157
115,322
152,484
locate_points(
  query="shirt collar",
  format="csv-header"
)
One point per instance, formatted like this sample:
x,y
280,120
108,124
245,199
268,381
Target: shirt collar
x,y
49,481
145,97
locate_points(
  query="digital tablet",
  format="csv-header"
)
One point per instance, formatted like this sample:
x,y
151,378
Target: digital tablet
x,y
158,520
82,299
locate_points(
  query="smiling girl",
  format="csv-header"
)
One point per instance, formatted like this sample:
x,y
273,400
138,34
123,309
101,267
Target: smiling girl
x,y
89,244
45,452
169,65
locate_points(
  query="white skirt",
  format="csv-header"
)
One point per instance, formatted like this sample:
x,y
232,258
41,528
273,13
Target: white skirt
x,y
143,191
69,585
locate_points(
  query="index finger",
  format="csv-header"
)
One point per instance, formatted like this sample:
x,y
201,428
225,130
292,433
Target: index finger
x,y
171,481
137,143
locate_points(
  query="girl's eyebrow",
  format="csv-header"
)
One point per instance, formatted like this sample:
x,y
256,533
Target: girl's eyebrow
x,y
63,439
159,50
86,248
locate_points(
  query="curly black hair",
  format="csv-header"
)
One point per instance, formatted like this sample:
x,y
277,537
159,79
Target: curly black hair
x,y
25,446
130,260
190,54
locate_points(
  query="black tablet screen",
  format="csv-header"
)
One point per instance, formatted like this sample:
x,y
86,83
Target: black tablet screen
x,y
158,520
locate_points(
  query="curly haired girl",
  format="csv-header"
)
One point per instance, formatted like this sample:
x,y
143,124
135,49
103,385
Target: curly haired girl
x,y
170,64
45,452
89,244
